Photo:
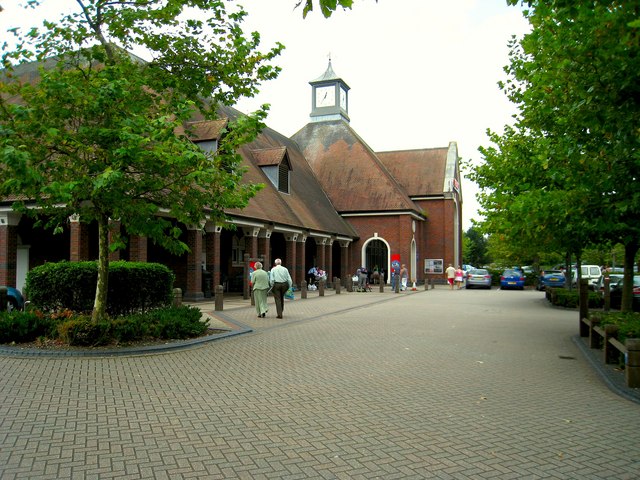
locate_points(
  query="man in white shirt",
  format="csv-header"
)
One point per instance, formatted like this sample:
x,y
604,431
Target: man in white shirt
x,y
280,283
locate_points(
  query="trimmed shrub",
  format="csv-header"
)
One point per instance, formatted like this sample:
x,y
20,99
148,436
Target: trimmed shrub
x,y
82,331
628,323
22,327
563,297
133,286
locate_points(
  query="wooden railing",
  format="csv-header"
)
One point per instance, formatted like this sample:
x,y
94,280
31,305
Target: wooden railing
x,y
605,338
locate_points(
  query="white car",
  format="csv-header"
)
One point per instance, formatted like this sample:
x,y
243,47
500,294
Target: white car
x,y
591,272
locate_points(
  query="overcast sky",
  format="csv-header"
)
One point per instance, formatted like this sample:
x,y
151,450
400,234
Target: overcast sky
x,y
422,72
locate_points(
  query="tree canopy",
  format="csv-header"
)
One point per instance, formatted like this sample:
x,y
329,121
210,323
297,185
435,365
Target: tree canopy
x,y
327,7
565,174
89,129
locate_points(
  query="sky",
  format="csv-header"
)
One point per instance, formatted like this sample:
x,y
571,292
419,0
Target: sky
x,y
422,73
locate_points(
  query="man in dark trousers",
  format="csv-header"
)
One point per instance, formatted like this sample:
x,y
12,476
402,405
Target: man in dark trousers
x,y
280,283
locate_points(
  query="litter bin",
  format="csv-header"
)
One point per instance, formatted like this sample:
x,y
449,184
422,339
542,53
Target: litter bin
x,y
207,283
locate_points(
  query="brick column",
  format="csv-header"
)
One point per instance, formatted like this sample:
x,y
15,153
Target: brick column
x,y
322,257
138,248
114,230
330,261
264,247
290,261
194,265
301,272
9,248
212,248
346,271
251,241
79,236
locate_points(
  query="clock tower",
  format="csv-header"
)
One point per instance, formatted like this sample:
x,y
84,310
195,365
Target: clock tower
x,y
329,97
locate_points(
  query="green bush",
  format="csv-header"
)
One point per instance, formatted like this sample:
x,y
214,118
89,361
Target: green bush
x,y
628,323
563,297
82,331
133,287
79,330
22,327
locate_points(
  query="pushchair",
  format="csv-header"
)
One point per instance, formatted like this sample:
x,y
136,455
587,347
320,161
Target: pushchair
x,y
361,281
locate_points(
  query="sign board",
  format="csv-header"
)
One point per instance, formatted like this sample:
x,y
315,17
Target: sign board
x,y
433,266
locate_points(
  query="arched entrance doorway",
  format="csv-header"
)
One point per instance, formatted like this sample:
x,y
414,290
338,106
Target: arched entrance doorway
x,y
376,256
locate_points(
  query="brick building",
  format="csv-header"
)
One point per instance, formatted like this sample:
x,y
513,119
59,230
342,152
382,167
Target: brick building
x,y
329,201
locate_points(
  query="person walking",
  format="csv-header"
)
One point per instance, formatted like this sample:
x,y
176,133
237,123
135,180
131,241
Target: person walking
x,y
451,275
280,282
260,282
404,277
459,277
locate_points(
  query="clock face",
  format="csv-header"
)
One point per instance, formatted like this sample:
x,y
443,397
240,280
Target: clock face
x,y
343,98
325,96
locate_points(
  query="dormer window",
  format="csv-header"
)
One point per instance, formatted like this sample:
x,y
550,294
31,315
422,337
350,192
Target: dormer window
x,y
207,134
275,164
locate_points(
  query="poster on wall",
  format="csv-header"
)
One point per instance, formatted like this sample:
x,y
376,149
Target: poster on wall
x,y
433,266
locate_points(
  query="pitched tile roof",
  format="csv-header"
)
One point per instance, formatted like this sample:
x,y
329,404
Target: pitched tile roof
x,y
269,156
306,206
421,172
351,173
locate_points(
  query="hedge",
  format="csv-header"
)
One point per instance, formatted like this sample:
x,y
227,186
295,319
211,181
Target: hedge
x,y
133,286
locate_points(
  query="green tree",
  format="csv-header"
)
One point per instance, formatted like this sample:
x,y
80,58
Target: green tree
x,y
101,134
327,7
565,174
475,251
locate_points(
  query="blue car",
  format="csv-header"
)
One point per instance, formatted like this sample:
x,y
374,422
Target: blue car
x,y
512,279
15,300
551,278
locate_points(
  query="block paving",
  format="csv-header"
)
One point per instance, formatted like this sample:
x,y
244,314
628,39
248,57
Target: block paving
x,y
430,384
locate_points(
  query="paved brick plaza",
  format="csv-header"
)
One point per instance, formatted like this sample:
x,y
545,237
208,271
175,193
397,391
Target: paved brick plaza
x,y
439,384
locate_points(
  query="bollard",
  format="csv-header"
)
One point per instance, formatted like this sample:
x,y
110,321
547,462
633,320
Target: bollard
x,y
632,362
177,297
426,284
219,298
583,307
610,353
594,338
607,293
381,285
303,289
338,286
321,288
397,289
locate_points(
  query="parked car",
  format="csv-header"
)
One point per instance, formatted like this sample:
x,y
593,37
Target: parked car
x,y
15,300
466,269
613,279
616,293
551,278
512,279
591,272
478,277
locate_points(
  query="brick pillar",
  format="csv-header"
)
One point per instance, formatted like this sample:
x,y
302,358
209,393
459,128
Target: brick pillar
x,y
330,261
344,263
301,255
290,261
138,248
264,248
79,235
8,250
194,265
212,248
114,229
322,257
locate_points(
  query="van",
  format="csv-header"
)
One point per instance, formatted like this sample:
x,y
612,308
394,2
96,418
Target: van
x,y
591,272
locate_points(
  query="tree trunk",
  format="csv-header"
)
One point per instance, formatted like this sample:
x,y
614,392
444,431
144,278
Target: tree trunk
x,y
100,302
630,251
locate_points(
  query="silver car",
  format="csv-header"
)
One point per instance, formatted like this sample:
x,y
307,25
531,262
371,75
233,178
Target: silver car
x,y
478,277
